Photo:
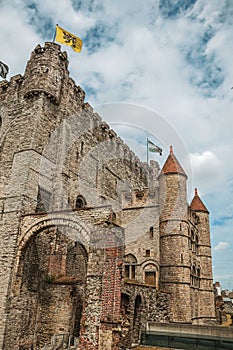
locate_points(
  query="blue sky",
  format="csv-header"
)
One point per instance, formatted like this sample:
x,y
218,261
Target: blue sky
x,y
173,58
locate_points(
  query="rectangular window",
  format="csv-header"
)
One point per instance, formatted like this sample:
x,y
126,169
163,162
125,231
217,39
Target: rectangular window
x,y
151,232
147,253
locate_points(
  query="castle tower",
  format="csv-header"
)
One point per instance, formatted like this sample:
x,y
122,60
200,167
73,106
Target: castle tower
x,y
206,293
174,250
46,72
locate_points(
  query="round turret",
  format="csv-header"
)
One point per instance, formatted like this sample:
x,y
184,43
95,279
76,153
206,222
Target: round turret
x,y
45,72
197,204
174,249
173,194
201,214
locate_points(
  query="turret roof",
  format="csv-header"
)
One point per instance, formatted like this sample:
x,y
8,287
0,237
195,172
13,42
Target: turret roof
x,y
172,165
197,203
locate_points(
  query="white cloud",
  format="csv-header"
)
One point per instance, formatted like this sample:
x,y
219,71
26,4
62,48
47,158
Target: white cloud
x,y
221,246
206,171
205,165
17,38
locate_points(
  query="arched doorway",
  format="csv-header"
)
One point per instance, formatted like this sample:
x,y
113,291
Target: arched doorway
x,y
51,278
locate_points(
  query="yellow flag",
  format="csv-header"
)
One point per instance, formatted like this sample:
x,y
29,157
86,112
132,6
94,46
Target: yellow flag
x,y
64,37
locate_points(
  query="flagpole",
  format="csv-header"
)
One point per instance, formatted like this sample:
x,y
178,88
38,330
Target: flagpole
x,y
54,35
147,151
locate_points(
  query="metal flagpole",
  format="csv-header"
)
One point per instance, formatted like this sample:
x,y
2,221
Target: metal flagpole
x,y
54,35
147,154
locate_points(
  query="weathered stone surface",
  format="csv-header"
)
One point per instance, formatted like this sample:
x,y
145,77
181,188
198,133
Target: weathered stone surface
x,y
94,244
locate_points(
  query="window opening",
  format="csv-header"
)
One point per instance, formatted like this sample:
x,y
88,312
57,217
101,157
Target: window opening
x,y
147,253
80,202
151,232
130,266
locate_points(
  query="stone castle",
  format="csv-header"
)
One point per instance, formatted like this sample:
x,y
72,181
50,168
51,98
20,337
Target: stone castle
x,y
95,245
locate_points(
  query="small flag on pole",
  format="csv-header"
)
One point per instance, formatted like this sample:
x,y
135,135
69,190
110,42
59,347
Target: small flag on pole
x,y
65,37
153,148
4,69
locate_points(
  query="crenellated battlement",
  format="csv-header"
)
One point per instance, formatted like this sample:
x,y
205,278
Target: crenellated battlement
x,y
46,74
11,89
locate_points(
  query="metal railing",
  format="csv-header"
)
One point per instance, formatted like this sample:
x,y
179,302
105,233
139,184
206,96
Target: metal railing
x,y
190,342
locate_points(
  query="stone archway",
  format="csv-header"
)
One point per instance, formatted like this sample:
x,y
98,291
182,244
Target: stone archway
x,y
32,225
49,287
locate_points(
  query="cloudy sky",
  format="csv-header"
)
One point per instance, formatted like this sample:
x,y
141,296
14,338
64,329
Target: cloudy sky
x,y
167,63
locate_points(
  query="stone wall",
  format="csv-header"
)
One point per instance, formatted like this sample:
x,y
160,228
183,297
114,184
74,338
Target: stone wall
x,y
141,305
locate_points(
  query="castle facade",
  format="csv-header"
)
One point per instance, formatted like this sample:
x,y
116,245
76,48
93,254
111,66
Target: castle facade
x,y
94,243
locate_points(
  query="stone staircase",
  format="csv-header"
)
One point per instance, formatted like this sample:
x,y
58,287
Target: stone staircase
x,y
62,341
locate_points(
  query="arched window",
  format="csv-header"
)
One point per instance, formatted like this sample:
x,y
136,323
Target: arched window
x,y
80,202
130,266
